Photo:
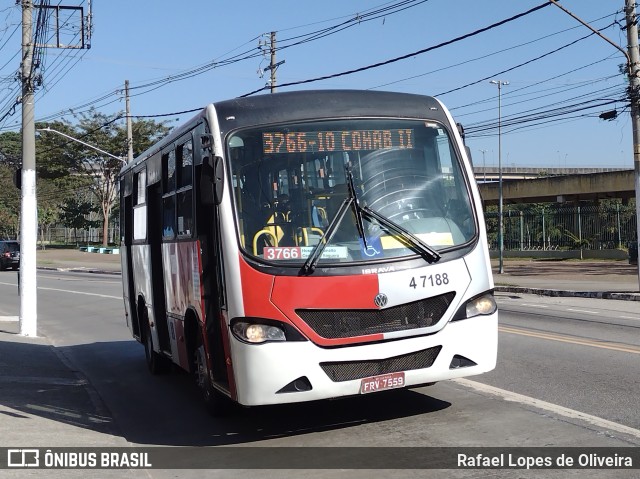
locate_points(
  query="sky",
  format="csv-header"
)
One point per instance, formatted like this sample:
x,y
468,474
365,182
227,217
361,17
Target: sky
x,y
560,78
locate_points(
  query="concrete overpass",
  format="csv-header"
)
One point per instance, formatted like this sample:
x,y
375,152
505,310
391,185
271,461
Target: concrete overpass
x,y
575,187
491,173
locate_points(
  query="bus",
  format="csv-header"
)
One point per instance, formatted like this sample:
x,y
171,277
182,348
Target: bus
x,y
309,245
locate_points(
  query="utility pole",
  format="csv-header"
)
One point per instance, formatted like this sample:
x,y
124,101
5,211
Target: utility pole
x,y
634,87
273,66
273,62
633,70
28,208
129,128
484,165
500,83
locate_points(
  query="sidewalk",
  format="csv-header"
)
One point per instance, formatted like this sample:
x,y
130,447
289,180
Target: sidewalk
x,y
605,279
74,259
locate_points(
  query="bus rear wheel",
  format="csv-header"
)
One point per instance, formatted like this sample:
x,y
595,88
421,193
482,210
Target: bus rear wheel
x,y
156,363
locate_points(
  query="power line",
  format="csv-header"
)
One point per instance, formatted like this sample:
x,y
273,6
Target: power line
x,y
464,62
408,55
519,65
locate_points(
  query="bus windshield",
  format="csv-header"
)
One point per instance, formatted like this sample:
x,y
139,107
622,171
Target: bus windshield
x,y
291,182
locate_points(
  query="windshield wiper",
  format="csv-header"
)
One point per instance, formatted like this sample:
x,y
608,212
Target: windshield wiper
x,y
310,264
351,200
357,209
409,238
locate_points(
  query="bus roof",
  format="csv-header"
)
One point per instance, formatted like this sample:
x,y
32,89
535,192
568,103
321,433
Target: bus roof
x,y
317,104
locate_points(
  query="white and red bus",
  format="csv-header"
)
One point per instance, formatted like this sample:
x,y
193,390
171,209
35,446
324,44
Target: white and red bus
x,y
308,245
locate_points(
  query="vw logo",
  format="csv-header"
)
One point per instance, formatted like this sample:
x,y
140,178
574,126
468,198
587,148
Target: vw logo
x,y
380,300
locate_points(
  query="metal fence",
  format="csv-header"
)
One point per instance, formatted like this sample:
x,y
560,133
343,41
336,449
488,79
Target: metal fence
x,y
70,236
564,228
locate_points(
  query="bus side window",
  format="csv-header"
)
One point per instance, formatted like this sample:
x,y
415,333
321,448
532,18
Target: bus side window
x,y
169,195
184,197
140,208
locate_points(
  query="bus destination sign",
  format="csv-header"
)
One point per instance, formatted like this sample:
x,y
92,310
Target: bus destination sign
x,y
274,142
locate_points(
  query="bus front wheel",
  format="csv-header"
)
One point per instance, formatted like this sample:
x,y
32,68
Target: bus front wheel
x,y
215,402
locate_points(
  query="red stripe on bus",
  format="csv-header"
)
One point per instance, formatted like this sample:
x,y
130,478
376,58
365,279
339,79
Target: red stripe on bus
x,y
326,292
271,297
256,294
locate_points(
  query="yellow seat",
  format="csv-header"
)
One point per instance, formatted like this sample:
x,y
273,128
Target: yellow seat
x,y
308,236
273,232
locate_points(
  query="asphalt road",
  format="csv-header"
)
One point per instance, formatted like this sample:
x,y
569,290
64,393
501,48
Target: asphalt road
x,y
578,353
566,377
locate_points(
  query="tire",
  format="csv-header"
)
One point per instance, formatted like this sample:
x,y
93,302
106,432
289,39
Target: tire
x,y
156,363
215,402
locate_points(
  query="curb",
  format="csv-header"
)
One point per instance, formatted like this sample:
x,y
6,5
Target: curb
x,y
79,270
622,296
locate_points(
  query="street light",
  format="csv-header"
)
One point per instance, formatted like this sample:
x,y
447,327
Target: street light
x,y
500,83
119,158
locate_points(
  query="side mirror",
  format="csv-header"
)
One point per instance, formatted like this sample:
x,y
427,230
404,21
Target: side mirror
x,y
218,179
212,180
206,141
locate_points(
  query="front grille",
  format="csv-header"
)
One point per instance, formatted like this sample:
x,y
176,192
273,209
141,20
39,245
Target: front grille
x,y
346,323
349,370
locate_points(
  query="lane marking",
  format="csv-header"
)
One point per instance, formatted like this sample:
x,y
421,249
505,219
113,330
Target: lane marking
x,y
80,292
9,319
582,311
547,406
625,348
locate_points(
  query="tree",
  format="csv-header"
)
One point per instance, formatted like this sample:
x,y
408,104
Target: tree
x,y
75,214
101,130
10,157
47,216
66,161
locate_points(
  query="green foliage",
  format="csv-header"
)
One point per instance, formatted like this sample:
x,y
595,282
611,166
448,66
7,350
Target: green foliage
x,y
65,167
48,215
75,213
10,149
9,203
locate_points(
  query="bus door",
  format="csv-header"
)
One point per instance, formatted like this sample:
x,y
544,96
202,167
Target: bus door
x,y
154,231
126,226
208,226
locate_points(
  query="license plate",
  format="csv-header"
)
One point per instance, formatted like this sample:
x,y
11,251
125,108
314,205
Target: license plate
x,y
382,382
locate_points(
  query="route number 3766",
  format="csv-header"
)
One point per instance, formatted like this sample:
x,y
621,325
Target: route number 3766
x,y
429,281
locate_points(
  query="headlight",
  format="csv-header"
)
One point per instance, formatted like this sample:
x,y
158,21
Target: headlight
x,y
481,305
257,333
